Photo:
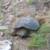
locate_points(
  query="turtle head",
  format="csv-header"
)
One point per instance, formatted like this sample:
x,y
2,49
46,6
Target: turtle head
x,y
42,20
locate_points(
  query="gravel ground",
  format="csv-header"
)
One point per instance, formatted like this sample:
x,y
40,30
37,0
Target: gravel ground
x,y
18,43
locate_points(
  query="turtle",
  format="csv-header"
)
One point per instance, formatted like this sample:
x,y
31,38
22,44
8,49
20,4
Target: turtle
x,y
25,25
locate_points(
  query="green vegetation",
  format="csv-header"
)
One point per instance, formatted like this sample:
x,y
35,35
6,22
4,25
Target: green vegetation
x,y
39,39
45,28
1,17
29,1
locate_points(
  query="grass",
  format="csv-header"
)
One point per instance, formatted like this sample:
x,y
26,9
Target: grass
x,y
1,17
45,28
39,39
29,1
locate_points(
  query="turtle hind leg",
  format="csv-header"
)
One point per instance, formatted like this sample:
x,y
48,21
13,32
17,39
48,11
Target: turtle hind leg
x,y
14,32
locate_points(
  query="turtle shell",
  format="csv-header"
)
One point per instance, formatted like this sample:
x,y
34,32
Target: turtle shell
x,y
28,23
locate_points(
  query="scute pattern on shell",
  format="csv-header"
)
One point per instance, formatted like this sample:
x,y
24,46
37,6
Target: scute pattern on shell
x,y
28,22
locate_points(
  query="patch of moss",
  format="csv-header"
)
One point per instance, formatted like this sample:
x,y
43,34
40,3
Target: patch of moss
x,y
45,28
37,40
29,1
1,17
